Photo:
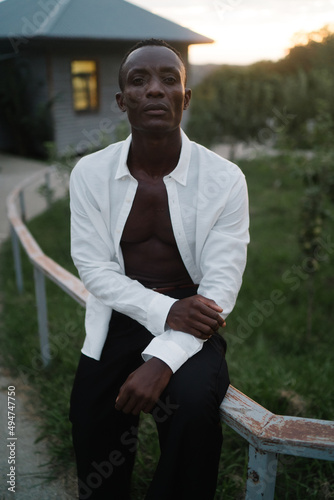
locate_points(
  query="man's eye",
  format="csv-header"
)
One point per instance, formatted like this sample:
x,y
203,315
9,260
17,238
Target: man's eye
x,y
138,81
170,79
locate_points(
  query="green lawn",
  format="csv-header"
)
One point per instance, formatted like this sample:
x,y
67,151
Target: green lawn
x,y
271,356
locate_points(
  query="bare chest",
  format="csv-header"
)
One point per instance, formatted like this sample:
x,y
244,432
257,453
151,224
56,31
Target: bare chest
x,y
149,216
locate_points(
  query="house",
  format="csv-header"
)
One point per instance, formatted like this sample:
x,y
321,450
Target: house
x,y
59,63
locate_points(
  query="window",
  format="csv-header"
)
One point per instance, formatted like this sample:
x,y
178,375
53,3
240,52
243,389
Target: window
x,y
84,85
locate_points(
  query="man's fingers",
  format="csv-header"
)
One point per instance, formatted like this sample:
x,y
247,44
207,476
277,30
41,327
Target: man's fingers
x,y
119,403
209,311
124,401
208,325
210,317
196,315
210,303
203,331
143,387
130,405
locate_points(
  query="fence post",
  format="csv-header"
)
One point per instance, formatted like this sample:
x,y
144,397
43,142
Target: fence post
x,y
42,315
22,206
262,469
17,260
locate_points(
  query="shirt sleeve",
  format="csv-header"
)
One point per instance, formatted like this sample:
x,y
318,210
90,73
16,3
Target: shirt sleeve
x,y
173,347
94,256
224,254
223,260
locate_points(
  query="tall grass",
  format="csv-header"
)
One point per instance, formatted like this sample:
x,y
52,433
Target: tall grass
x,y
270,357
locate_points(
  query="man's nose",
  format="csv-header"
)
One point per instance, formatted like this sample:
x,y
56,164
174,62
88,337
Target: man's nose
x,y
155,88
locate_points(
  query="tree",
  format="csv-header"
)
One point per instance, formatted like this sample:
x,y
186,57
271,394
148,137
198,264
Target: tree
x,y
233,104
239,103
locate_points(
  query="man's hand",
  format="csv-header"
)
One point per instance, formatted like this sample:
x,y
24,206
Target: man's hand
x,y
196,315
143,387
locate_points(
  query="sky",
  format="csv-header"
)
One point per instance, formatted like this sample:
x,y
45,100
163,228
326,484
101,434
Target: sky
x,y
244,31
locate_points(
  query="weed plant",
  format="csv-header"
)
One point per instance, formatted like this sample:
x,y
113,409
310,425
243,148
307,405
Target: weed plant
x,y
270,357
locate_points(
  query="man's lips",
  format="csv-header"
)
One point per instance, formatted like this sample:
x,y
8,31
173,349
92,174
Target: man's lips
x,y
156,109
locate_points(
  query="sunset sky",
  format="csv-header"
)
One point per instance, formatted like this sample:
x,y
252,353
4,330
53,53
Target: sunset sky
x,y
245,30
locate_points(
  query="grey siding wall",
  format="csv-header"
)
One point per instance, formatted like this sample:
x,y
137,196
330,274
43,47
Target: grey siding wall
x,y
83,131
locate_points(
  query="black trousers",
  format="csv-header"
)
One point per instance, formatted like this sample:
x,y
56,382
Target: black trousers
x,y
186,415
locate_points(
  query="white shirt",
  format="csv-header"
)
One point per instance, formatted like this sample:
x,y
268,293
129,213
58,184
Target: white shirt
x,y
208,204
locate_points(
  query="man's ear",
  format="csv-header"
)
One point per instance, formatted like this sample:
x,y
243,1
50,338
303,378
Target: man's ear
x,y
120,101
187,97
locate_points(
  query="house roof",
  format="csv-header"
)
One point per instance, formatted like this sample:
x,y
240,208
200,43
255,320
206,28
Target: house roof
x,y
88,19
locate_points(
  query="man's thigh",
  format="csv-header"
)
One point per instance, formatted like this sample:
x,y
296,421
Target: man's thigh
x,y
97,382
198,387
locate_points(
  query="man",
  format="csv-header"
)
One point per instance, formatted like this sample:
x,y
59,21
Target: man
x,y
159,236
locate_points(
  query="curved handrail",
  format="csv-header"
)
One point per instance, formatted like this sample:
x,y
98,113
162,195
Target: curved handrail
x,y
64,279
268,434
277,433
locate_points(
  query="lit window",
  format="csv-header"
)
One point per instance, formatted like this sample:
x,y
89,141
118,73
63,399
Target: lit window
x,y
84,84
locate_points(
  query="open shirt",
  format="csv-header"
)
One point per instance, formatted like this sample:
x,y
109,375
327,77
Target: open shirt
x,y
208,205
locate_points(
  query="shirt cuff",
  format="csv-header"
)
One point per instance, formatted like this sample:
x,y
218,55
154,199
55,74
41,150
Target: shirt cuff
x,y
157,313
173,347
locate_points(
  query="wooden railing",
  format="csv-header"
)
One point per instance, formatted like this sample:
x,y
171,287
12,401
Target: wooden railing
x,y
268,434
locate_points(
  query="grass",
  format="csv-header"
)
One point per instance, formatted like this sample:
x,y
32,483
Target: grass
x,y
271,357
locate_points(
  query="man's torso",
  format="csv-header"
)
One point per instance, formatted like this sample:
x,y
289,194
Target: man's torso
x,y
149,248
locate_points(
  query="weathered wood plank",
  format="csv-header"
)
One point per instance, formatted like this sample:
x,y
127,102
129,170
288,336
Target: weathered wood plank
x,y
276,433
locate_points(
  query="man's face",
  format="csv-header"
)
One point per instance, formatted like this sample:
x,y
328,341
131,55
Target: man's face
x,y
154,94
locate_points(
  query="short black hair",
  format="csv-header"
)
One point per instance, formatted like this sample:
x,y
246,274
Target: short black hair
x,y
153,42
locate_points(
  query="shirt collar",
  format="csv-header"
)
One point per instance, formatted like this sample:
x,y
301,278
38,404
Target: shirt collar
x,y
122,169
179,173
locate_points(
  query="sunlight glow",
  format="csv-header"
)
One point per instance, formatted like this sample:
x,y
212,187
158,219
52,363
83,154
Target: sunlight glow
x,y
244,32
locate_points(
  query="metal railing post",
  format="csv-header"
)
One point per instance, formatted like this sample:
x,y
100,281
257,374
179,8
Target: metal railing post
x,y
22,206
261,477
42,315
17,260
